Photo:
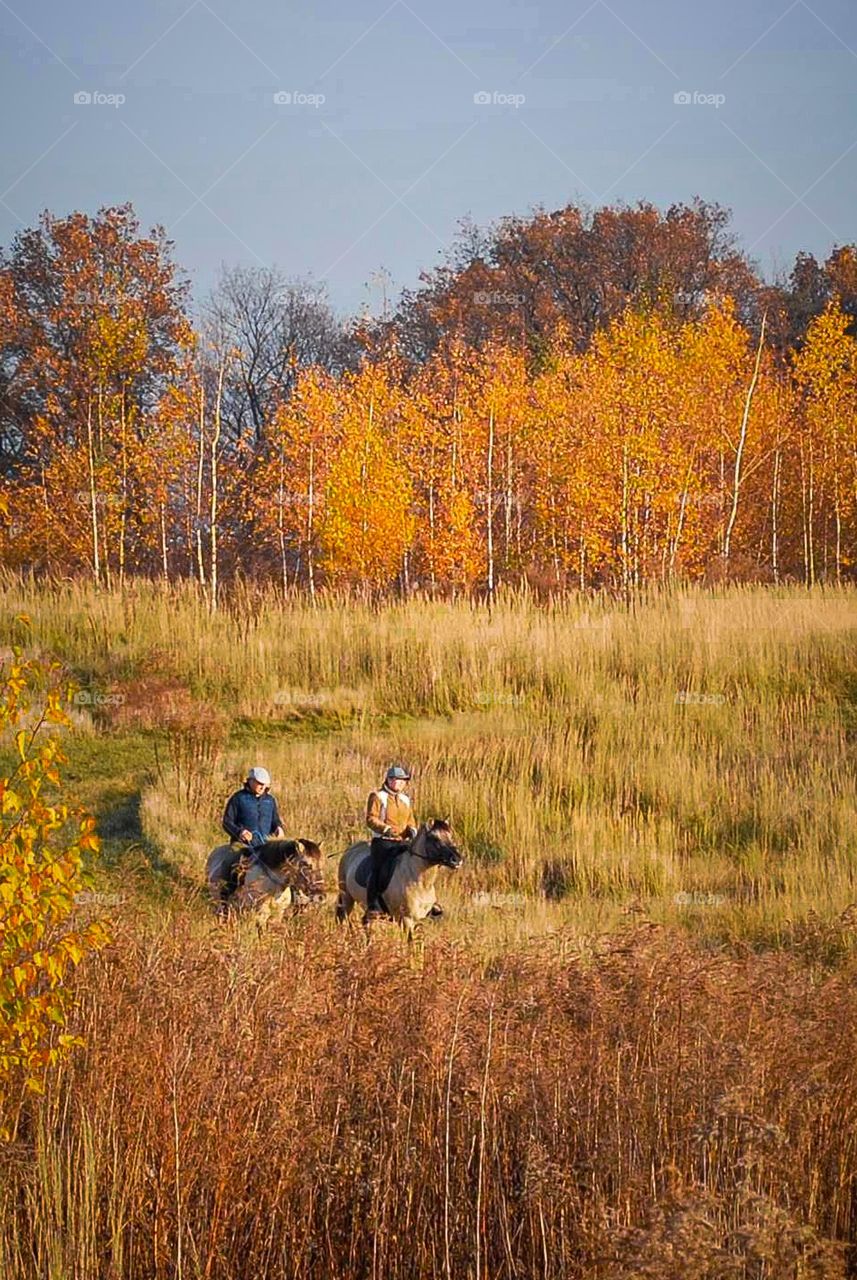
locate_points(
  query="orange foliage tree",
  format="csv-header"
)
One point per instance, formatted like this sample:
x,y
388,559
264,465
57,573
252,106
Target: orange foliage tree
x,y
643,432
95,325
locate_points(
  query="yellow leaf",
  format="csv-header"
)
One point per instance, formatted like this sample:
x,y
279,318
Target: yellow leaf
x,y
10,803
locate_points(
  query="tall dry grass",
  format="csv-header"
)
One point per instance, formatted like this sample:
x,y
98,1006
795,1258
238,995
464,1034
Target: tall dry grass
x,y
691,755
629,1049
262,657
309,1106
692,758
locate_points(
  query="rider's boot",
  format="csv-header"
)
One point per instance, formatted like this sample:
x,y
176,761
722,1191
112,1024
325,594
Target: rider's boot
x,y
220,899
374,906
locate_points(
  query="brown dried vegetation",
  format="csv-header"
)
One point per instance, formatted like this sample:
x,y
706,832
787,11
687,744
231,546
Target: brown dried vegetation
x,y
307,1105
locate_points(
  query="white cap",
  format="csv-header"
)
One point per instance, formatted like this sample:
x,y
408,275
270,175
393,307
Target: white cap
x,y
258,774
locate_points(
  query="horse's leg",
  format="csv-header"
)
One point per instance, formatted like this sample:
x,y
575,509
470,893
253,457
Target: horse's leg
x,y
263,915
280,904
220,894
416,942
344,905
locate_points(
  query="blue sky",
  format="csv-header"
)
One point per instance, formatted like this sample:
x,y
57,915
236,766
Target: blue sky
x,y
382,145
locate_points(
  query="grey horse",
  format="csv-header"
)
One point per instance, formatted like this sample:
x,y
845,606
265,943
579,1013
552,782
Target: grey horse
x,y
410,894
268,879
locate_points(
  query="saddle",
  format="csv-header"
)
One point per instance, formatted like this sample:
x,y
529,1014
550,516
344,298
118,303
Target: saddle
x,y
385,853
388,847
241,859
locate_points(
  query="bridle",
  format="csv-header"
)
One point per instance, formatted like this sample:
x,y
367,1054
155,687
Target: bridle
x,y
274,876
425,858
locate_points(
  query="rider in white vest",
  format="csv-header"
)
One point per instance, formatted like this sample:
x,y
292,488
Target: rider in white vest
x,y
389,813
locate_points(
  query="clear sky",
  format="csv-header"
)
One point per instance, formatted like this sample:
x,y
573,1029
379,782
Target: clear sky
x,y
383,143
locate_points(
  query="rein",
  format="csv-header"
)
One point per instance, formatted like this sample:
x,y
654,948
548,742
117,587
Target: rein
x,y
423,856
272,875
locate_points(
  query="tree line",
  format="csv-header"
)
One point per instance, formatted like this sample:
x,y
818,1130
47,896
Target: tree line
x,y
604,398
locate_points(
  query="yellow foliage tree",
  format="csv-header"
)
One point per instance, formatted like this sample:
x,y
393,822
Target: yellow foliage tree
x,y
455,555
42,846
368,524
826,374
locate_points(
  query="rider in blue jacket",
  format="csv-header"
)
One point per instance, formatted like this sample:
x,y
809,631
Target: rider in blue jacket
x,y
251,816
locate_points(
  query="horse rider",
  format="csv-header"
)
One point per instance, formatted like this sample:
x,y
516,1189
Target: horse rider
x,y
251,815
389,814
251,818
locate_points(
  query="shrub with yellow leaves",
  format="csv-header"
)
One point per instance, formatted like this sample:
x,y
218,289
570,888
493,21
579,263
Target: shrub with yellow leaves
x,y
42,848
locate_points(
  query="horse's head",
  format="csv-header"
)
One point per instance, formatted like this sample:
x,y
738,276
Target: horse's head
x,y
299,861
438,845
310,863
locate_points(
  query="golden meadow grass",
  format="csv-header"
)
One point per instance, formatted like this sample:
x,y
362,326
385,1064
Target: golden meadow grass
x,y
305,1105
691,756
627,1050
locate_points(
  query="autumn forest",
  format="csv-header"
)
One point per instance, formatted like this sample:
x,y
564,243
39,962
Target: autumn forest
x,y
608,398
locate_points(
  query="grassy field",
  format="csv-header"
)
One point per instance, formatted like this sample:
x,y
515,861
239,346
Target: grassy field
x,y
692,757
627,1050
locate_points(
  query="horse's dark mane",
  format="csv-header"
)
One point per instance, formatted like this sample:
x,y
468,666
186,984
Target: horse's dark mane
x,y
275,853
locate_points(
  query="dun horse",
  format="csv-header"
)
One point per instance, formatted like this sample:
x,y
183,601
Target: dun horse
x,y
409,895
268,879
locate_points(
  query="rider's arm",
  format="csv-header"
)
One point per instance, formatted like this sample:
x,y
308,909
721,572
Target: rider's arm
x,y
276,823
374,821
230,824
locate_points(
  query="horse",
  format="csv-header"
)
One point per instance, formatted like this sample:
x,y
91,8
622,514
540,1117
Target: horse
x,y
278,874
409,895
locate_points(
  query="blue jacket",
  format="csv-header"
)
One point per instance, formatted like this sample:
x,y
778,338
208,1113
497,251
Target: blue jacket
x,y
258,814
